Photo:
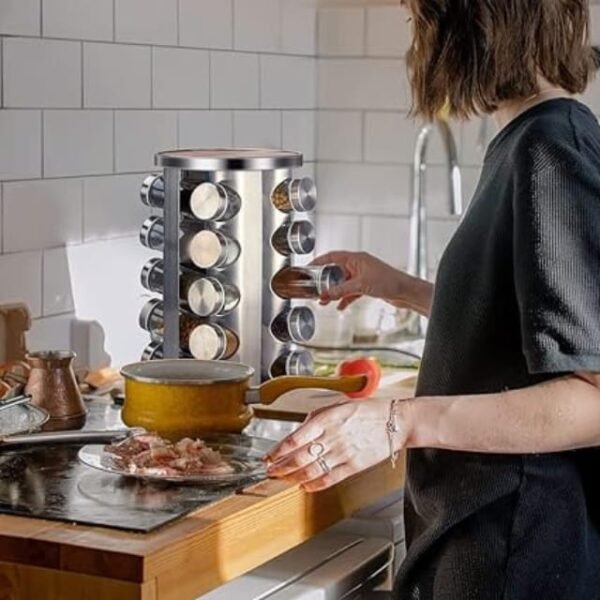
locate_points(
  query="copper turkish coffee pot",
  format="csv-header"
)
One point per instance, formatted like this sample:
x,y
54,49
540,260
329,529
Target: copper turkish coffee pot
x,y
53,387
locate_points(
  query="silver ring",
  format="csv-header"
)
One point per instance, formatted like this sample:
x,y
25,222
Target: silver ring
x,y
323,464
316,449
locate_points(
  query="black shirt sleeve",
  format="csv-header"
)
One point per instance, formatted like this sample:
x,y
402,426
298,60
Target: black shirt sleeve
x,y
556,253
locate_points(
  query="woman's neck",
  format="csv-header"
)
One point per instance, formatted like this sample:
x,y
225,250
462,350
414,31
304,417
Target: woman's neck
x,y
511,110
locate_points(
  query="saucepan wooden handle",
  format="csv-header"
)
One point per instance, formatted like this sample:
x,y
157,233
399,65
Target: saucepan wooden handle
x,y
269,391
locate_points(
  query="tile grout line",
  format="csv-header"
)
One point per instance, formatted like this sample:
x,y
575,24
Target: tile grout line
x,y
42,142
82,75
114,141
114,21
152,48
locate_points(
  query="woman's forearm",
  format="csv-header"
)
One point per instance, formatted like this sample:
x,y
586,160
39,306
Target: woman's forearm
x,y
563,414
413,293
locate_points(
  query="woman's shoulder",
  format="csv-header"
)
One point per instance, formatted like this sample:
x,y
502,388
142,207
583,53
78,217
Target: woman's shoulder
x,y
561,134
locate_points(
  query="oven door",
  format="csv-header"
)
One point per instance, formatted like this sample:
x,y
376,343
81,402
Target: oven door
x,y
330,566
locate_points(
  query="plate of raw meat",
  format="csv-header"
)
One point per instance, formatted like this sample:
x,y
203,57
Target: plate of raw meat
x,y
213,458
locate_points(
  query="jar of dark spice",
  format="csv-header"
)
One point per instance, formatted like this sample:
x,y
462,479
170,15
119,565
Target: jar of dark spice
x,y
294,324
206,201
294,237
211,341
306,282
295,195
293,363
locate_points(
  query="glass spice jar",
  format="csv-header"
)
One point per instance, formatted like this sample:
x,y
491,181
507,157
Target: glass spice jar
x,y
205,201
305,283
294,237
294,324
297,363
206,296
295,195
211,341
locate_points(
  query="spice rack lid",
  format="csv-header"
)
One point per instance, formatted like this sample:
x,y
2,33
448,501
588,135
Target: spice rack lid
x,y
229,159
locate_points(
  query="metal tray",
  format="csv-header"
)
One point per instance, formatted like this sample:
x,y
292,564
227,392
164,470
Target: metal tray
x,y
22,418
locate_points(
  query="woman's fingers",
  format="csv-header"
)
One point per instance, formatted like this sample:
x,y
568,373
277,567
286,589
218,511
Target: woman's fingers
x,y
328,480
310,431
336,257
315,469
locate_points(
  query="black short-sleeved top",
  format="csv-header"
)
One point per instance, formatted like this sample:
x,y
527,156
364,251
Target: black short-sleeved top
x,y
517,302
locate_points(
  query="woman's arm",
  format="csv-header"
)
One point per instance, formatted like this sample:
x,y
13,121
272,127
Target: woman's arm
x,y
413,293
562,414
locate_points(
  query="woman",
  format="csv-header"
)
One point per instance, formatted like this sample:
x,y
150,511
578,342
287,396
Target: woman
x,y
501,437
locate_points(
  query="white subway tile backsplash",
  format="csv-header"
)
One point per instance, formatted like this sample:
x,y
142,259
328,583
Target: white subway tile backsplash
x,y
140,134
337,232
234,80
595,24
78,142
116,76
20,144
146,21
363,189
299,129
206,23
363,83
42,214
79,19
257,129
298,27
20,17
257,25
341,31
287,82
387,239
389,137
22,277
51,333
41,73
339,136
205,129
112,206
180,78
388,31
57,294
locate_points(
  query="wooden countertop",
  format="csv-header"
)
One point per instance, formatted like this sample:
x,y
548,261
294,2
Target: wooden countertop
x,y
57,561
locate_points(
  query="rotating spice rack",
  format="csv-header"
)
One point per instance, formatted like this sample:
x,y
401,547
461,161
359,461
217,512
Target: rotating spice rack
x,y
233,228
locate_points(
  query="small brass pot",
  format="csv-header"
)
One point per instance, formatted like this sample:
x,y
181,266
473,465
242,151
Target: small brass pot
x,y
183,397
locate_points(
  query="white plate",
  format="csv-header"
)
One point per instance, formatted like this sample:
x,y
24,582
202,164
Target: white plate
x,y
23,418
242,452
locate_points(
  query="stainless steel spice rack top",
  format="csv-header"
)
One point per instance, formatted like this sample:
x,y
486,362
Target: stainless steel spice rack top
x,y
234,230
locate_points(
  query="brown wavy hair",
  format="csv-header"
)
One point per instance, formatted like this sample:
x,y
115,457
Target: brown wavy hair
x,y
471,55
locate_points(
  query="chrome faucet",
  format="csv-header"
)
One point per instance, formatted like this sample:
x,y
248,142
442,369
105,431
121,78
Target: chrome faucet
x,y
417,264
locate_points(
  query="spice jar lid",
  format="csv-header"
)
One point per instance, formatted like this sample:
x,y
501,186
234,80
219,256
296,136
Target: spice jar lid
x,y
301,237
148,311
154,264
303,194
208,201
206,296
152,351
208,342
301,323
299,363
329,277
153,186
152,232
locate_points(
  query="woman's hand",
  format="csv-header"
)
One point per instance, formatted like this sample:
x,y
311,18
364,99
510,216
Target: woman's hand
x,y
335,443
369,276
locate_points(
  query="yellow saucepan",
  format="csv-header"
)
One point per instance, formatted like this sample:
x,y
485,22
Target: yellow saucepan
x,y
183,398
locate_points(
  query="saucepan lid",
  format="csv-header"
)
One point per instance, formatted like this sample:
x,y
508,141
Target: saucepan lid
x,y
187,372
